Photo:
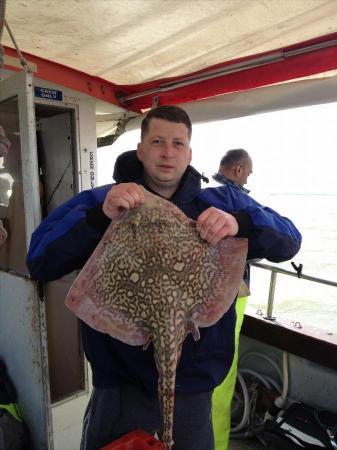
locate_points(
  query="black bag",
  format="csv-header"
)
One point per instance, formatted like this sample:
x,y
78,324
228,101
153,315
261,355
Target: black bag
x,y
301,427
13,432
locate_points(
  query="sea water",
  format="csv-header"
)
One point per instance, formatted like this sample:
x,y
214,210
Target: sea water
x,y
298,300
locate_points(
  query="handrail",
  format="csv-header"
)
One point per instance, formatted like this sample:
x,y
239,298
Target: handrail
x,y
294,274
274,270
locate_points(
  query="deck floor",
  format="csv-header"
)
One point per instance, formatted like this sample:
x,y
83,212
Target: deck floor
x,y
245,444
67,425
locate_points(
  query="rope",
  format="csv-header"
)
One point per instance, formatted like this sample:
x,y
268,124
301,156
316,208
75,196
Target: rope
x,y
21,57
2,24
58,183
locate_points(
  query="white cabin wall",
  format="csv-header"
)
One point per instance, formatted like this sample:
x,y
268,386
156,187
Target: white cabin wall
x,y
309,382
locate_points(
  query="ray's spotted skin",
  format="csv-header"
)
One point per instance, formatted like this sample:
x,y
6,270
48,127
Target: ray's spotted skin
x,y
152,279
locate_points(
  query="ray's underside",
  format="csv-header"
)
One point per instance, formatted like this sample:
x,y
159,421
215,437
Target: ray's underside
x,y
153,279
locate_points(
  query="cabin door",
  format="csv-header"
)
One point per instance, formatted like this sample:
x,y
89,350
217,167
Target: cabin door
x,y
23,342
56,148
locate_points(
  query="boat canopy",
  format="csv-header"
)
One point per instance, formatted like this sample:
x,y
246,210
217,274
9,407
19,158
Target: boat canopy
x,y
139,53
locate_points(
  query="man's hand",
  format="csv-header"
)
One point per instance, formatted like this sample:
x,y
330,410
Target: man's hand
x,y
214,224
122,196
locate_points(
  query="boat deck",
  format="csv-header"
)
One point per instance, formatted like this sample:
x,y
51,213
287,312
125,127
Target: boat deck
x,y
245,444
68,427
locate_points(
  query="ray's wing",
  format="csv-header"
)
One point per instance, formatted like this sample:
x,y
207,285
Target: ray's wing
x,y
231,254
89,303
107,294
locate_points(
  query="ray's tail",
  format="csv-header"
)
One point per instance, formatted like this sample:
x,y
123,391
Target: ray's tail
x,y
166,356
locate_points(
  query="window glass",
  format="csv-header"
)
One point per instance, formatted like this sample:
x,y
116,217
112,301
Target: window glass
x,y
12,231
294,172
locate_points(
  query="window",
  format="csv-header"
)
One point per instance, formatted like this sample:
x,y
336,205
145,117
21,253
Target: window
x,y
12,215
294,172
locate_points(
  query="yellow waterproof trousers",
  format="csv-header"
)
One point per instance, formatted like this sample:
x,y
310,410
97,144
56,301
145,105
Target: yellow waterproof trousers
x,y
223,394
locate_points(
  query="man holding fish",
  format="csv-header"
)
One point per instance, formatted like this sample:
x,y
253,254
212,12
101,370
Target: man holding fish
x,y
125,377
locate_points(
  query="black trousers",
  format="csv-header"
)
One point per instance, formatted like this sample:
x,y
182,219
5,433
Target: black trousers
x,y
111,413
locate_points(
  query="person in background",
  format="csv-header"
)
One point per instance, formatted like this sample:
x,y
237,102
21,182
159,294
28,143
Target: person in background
x,y
235,167
234,170
124,396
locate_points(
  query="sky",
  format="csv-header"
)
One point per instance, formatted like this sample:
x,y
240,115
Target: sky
x,y
293,151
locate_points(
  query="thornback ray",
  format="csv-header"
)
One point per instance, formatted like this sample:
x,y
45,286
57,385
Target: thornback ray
x,y
152,279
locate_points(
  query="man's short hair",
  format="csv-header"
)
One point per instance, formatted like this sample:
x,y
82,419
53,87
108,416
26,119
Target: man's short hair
x,y
234,157
166,112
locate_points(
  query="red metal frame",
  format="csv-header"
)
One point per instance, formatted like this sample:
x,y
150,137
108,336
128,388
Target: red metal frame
x,y
313,62
68,77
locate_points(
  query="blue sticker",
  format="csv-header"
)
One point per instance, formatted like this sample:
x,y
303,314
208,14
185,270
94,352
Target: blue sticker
x,y
50,94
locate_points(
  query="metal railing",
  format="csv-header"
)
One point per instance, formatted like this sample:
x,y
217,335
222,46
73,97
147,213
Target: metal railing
x,y
274,271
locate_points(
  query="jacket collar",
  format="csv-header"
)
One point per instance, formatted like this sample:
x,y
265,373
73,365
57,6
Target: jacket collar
x,y
128,169
223,180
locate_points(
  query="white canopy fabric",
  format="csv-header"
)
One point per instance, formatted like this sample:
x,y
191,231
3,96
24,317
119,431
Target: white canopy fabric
x,y
133,41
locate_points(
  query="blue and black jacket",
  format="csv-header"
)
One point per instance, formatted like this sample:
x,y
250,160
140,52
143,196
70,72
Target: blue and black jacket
x,y
272,236
66,238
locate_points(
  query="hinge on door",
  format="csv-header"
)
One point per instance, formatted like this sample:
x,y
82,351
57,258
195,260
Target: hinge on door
x,y
41,291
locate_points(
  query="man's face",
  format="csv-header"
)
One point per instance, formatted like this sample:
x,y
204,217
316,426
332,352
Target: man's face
x,y
165,153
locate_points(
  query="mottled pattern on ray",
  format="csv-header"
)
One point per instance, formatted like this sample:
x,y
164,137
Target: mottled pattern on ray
x,y
153,279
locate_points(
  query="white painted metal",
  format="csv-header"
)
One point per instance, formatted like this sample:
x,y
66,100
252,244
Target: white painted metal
x,y
310,383
23,343
33,340
23,348
85,130
68,414
20,85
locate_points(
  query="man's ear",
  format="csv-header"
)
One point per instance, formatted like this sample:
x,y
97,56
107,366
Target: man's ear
x,y
238,169
139,151
190,159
